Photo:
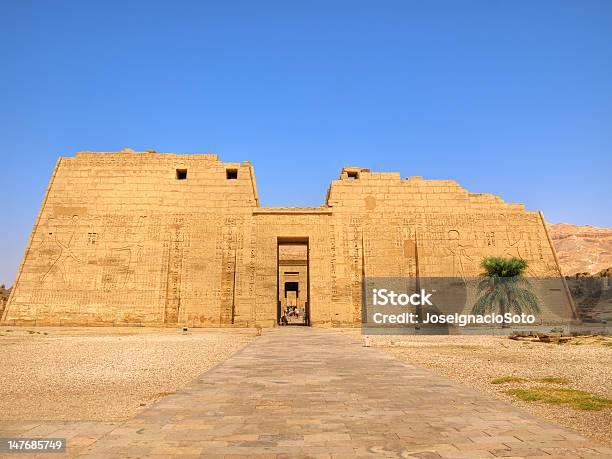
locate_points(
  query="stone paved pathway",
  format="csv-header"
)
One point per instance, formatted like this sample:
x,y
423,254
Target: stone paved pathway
x,y
317,393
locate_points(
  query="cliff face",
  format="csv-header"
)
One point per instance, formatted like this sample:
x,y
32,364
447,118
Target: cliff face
x,y
582,249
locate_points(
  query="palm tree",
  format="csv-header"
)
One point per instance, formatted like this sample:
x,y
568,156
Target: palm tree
x,y
504,288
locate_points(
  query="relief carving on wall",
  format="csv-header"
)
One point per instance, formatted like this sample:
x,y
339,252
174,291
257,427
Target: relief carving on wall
x,y
74,254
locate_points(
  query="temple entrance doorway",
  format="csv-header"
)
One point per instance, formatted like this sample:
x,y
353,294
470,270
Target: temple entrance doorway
x,y
293,276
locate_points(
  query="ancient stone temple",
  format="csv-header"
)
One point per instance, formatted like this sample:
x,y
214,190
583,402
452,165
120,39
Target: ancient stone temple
x,y
165,239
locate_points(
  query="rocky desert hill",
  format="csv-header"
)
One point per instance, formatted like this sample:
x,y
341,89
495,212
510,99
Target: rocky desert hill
x,y
4,294
582,249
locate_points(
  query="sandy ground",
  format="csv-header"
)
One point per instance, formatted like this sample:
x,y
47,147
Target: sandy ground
x,y
109,374
102,374
477,360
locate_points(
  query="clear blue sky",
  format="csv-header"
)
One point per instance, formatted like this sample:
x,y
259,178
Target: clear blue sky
x,y
512,97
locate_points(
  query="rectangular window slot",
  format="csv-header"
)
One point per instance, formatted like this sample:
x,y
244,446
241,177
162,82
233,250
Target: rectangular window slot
x,y
181,174
231,174
353,175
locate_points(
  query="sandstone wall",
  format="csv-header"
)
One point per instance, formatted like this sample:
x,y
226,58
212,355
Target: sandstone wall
x,y
124,238
436,228
120,239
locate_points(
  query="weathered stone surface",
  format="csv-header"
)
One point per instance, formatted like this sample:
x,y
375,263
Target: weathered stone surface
x,y
146,238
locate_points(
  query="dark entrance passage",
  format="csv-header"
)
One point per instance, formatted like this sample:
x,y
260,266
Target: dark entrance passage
x,y
293,292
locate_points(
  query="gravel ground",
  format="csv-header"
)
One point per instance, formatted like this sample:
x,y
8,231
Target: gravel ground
x,y
476,360
102,374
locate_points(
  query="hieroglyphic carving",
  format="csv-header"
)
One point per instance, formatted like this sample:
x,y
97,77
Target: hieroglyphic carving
x,y
459,255
409,248
229,249
175,264
333,261
59,253
252,264
357,256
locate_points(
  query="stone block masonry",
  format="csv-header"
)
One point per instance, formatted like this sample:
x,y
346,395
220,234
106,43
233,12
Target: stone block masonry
x,y
167,239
